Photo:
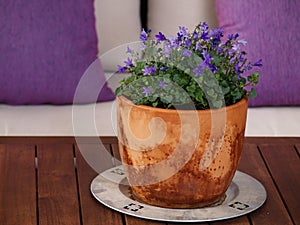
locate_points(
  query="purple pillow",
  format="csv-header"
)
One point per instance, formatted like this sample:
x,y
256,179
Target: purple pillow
x,y
271,29
45,48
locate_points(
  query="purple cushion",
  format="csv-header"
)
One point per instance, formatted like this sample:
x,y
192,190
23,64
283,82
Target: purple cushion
x,y
271,29
45,48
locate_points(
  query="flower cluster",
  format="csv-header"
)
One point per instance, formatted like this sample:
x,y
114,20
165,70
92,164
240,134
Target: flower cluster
x,y
193,68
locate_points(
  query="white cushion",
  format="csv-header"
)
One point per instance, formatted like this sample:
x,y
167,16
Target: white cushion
x,y
273,121
117,23
167,15
49,120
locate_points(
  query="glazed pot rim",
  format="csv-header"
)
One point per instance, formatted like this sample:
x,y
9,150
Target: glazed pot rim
x,y
243,101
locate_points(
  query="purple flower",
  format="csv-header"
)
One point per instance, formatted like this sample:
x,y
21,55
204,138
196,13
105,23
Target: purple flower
x,y
237,69
144,35
128,62
164,68
186,53
242,42
199,69
143,46
162,84
206,57
248,67
129,50
179,37
147,91
198,46
204,26
204,36
241,58
183,31
233,36
230,52
220,48
258,63
216,33
232,60
160,37
187,42
230,37
206,63
236,47
121,69
213,68
196,35
168,49
173,43
148,70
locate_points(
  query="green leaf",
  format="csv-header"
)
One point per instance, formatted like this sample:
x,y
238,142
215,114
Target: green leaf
x,y
211,93
225,90
167,99
217,104
242,81
118,91
252,93
154,104
253,78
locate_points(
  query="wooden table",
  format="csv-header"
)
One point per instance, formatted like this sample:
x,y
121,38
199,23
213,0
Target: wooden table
x,y
47,181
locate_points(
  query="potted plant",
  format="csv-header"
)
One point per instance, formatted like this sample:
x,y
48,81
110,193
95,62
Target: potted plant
x,y
182,114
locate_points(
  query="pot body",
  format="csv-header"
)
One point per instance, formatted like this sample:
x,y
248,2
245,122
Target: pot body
x,y
180,158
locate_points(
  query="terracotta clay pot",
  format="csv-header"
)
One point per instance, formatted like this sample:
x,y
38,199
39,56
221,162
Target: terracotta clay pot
x,y
180,158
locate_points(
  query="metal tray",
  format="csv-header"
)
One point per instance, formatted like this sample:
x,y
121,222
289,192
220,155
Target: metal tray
x,y
244,195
